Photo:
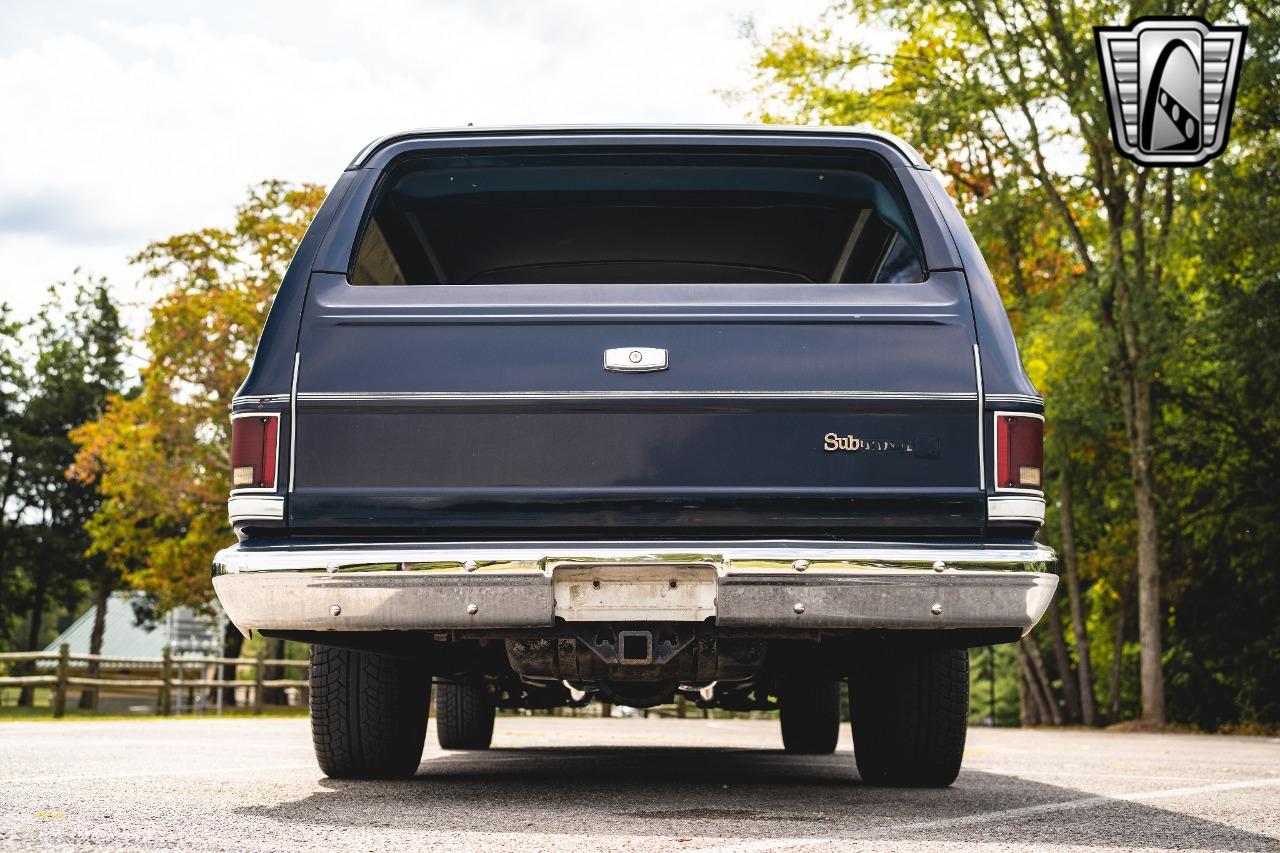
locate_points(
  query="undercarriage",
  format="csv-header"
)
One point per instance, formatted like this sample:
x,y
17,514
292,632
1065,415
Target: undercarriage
x,y
642,665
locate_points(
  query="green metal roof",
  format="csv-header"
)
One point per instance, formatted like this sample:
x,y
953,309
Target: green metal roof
x,y
122,637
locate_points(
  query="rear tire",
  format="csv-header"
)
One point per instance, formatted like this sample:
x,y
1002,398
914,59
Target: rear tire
x,y
368,713
910,710
464,716
810,717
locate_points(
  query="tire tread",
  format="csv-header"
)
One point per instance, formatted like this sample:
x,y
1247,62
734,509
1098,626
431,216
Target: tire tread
x,y
910,715
464,715
810,716
368,713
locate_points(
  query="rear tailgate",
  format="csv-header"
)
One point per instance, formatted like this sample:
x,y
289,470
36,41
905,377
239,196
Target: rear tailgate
x,y
783,409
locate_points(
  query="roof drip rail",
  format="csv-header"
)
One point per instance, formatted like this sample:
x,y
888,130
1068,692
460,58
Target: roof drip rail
x,y
912,156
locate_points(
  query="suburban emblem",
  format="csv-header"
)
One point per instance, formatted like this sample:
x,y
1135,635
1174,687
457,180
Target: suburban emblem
x,y
922,446
1170,85
831,441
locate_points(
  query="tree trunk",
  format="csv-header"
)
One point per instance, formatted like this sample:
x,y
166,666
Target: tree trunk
x,y
232,643
27,694
1125,317
1026,710
991,684
1135,394
1049,702
102,595
1062,660
1084,667
1117,655
6,492
1150,619
1031,703
273,695
1142,456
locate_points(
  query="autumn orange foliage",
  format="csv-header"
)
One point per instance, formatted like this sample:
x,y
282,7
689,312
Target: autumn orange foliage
x,y
160,455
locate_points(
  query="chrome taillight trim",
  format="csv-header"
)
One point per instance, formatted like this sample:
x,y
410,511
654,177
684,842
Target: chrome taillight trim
x,y
255,508
995,472
1015,508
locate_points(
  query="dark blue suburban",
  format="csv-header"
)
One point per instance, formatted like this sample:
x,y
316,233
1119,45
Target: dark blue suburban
x,y
558,414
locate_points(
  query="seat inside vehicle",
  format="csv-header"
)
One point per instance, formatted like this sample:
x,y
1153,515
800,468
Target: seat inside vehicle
x,y
635,218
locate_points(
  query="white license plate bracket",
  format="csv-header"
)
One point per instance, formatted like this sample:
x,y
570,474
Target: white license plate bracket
x,y
647,592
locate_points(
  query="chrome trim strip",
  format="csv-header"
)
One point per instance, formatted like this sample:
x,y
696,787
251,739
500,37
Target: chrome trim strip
x,y
962,396
1010,490
729,558
293,418
1010,508
1015,398
243,508
982,417
260,399
429,314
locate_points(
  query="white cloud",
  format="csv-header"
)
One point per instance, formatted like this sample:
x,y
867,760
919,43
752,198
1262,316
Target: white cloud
x,y
126,127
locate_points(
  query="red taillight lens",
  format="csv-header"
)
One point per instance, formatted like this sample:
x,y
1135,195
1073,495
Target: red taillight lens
x,y
1019,451
253,451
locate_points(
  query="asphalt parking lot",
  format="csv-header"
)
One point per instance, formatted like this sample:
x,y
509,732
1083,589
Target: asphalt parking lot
x,y
570,784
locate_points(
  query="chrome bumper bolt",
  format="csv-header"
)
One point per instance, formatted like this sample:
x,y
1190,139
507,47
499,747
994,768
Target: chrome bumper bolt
x,y
936,610
939,566
469,565
473,609
335,610
800,565
798,607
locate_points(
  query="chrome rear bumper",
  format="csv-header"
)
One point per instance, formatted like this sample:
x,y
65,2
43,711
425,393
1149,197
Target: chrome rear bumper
x,y
773,584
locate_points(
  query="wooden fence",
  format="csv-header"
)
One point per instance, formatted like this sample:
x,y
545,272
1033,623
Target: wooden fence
x,y
171,677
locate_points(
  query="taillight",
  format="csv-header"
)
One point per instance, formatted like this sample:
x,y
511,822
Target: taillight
x,y
1019,451
254,439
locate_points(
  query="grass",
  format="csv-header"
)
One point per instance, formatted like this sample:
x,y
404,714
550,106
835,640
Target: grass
x,y
41,708
42,713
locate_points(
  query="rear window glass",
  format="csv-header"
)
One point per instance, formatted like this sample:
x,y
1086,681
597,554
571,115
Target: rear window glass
x,y
640,217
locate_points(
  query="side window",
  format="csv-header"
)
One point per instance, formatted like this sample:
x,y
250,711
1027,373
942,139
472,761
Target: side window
x,y
638,218
375,262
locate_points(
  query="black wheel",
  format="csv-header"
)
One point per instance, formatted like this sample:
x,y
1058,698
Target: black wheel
x,y
368,713
909,711
810,717
464,715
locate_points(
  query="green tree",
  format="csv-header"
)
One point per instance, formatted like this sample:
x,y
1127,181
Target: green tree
x,y
1006,100
13,391
161,457
76,361
1223,447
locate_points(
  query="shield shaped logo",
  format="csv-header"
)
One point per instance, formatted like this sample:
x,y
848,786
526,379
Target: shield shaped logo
x,y
1171,86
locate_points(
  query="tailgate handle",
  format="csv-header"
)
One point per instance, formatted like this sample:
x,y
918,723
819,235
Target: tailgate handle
x,y
635,359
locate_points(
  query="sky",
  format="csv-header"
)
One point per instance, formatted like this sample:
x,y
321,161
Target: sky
x,y
126,122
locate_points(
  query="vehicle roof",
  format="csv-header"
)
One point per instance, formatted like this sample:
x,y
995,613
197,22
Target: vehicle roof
x,y
901,146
